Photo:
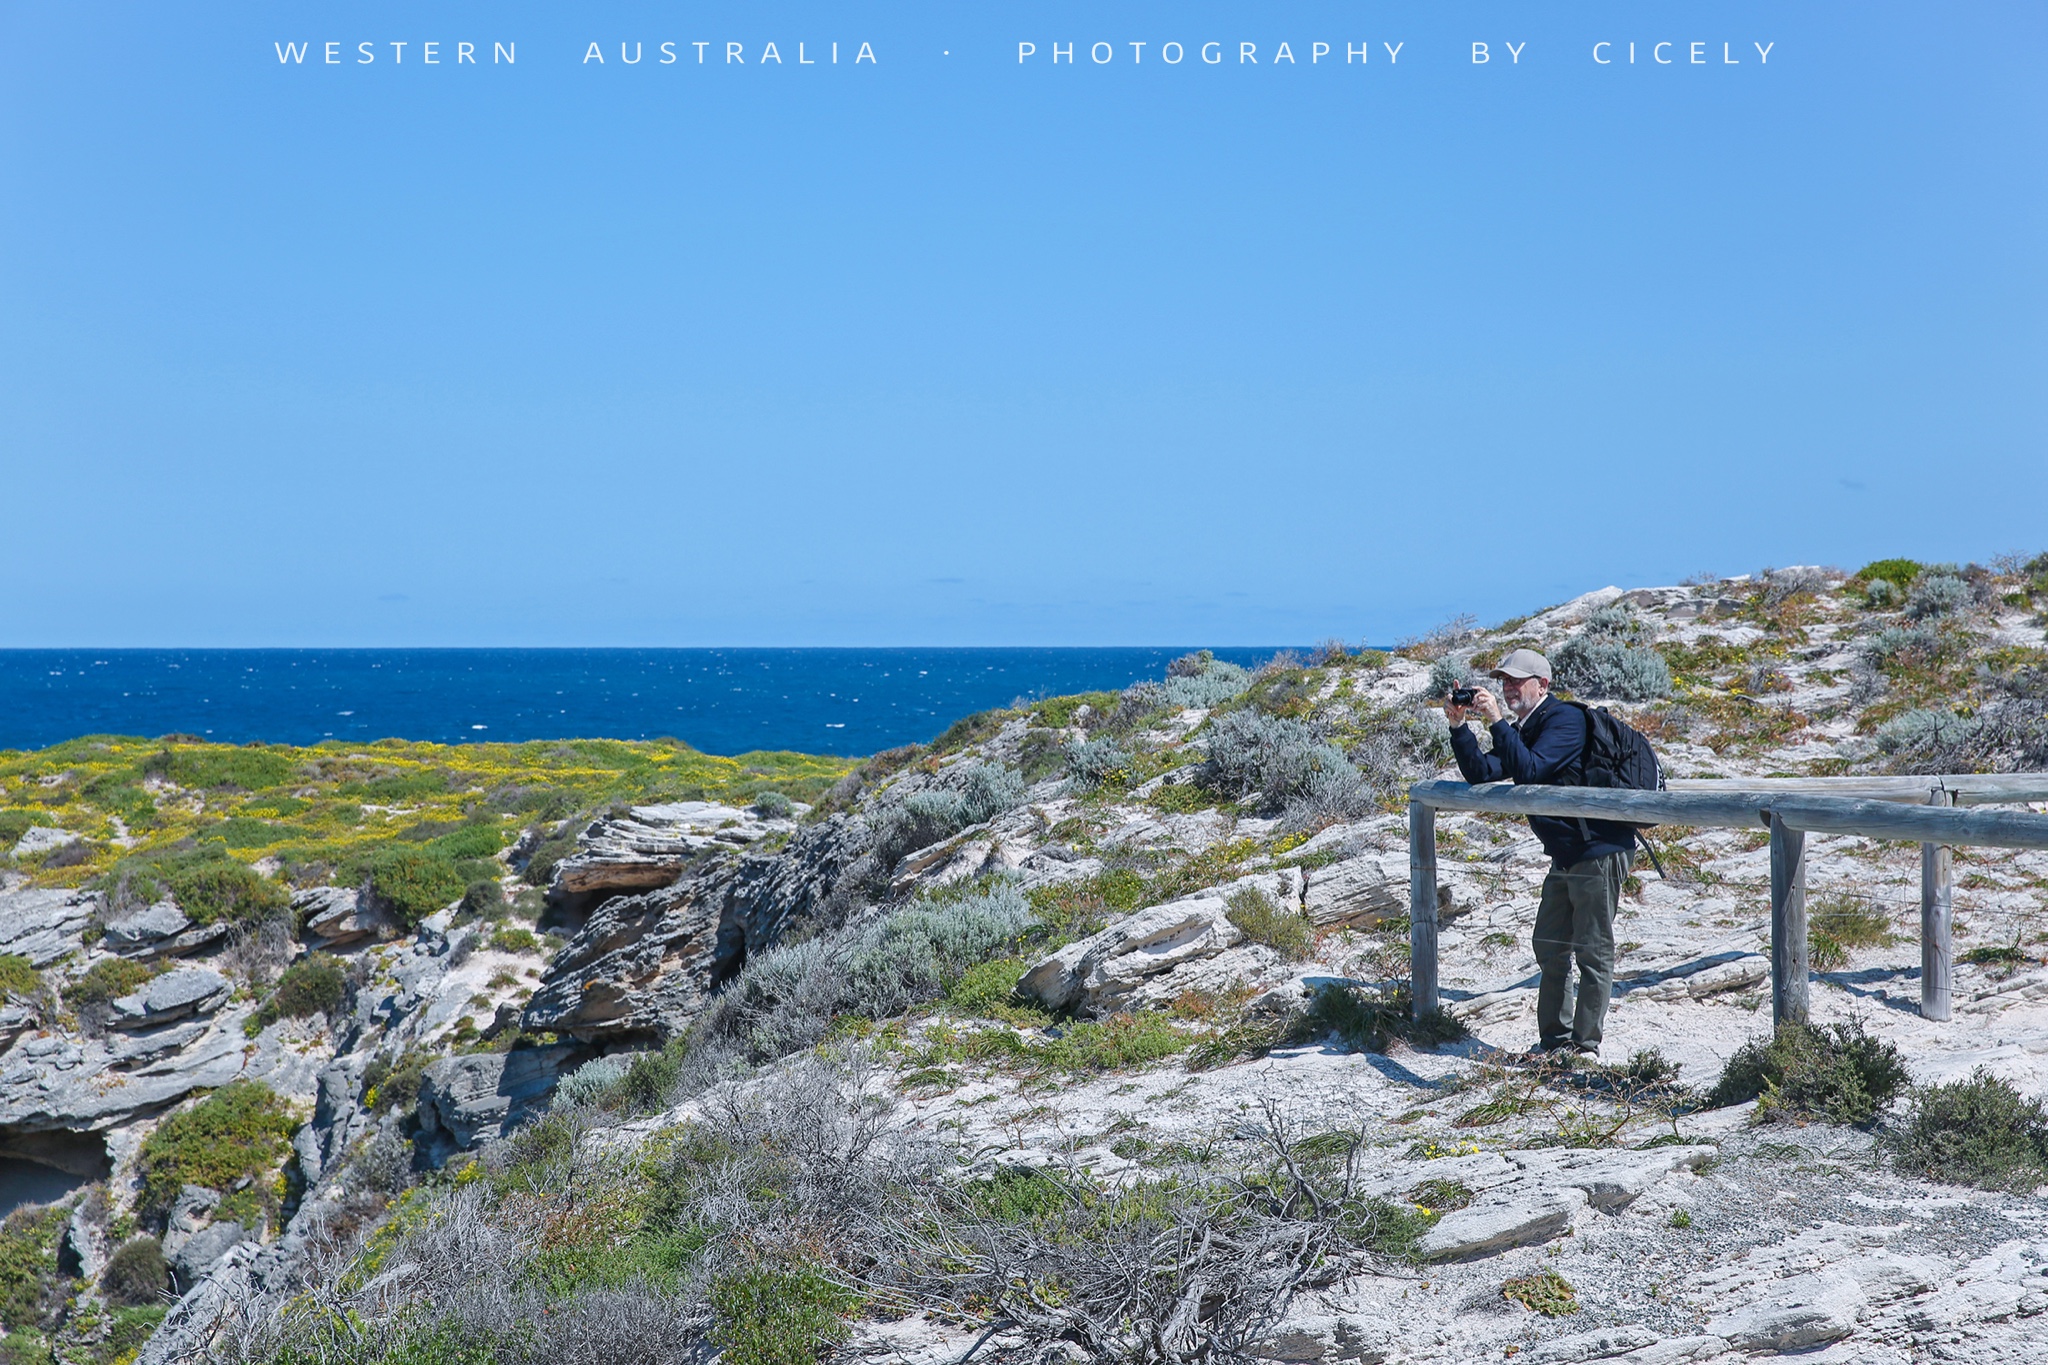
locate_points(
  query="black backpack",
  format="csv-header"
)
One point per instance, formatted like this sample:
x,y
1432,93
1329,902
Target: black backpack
x,y
1619,755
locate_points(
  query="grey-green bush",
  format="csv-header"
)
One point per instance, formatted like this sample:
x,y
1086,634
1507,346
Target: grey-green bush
x,y
987,790
1935,595
1280,758
786,998
1595,667
774,806
1089,761
1201,680
590,1083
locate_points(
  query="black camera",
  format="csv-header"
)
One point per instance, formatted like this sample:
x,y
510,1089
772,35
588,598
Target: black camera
x,y
1464,696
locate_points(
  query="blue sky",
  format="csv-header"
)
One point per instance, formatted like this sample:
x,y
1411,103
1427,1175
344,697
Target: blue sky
x,y
949,349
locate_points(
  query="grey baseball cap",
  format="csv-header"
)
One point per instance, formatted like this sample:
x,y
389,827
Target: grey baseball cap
x,y
1523,663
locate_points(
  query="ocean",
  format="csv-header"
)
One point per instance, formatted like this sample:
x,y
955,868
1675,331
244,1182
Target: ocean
x,y
722,701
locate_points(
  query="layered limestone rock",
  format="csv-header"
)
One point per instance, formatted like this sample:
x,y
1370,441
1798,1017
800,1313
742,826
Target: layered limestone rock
x,y
1156,955
43,924
645,965
468,1100
651,845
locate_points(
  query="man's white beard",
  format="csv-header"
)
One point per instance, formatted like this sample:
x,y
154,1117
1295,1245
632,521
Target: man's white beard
x,y
1522,707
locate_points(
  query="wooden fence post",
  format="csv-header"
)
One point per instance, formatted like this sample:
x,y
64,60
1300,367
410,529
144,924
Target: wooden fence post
x,y
1422,907
1788,923
1937,906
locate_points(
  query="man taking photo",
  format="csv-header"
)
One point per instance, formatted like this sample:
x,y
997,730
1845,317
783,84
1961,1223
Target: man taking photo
x,y
1545,742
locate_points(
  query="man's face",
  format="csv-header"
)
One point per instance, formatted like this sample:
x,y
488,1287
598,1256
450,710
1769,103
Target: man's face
x,y
1522,694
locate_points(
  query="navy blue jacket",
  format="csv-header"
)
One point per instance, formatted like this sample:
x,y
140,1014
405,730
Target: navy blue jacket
x,y
1548,748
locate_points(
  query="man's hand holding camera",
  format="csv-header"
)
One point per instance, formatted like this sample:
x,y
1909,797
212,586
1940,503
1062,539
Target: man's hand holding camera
x,y
1463,699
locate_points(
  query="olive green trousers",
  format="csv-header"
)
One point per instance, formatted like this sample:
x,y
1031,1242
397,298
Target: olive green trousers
x,y
1575,918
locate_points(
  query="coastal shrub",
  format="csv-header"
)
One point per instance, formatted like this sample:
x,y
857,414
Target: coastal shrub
x,y
1837,925
240,1130
94,992
773,805
786,998
1902,647
1980,1131
987,790
1900,573
1202,681
1543,1291
209,886
1091,762
917,821
592,1082
484,899
1287,932
1595,667
129,1330
19,978
1370,1020
216,767
32,1286
2006,734
1881,595
412,880
1837,1074
474,840
1782,585
1275,756
315,984
778,1314
1445,674
514,939
136,1273
1935,595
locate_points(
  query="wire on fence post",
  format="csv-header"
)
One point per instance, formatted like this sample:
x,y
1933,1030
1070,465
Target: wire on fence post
x,y
1422,907
1937,916
1788,923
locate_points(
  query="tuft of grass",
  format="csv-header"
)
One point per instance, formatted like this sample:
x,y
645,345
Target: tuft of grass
x,y
1545,1292
1441,1196
1680,1219
988,990
1369,1022
1287,932
1842,923
1838,1075
1979,1131
241,1130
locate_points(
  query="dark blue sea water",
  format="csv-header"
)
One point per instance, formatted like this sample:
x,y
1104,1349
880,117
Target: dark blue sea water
x,y
723,701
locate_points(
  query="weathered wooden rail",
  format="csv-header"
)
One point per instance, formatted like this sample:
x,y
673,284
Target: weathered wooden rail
x,y
1925,810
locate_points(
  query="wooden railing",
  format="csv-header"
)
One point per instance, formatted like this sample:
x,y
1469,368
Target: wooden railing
x,y
1790,808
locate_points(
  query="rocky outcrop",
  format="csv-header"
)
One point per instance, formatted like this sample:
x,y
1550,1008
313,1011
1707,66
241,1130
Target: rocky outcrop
x,y
645,965
1156,955
651,846
146,927
43,924
467,1100
170,997
43,839
338,916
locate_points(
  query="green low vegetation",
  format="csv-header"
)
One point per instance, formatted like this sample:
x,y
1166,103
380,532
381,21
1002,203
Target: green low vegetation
x,y
1979,1131
1287,932
1837,1074
414,820
241,1130
1545,1292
